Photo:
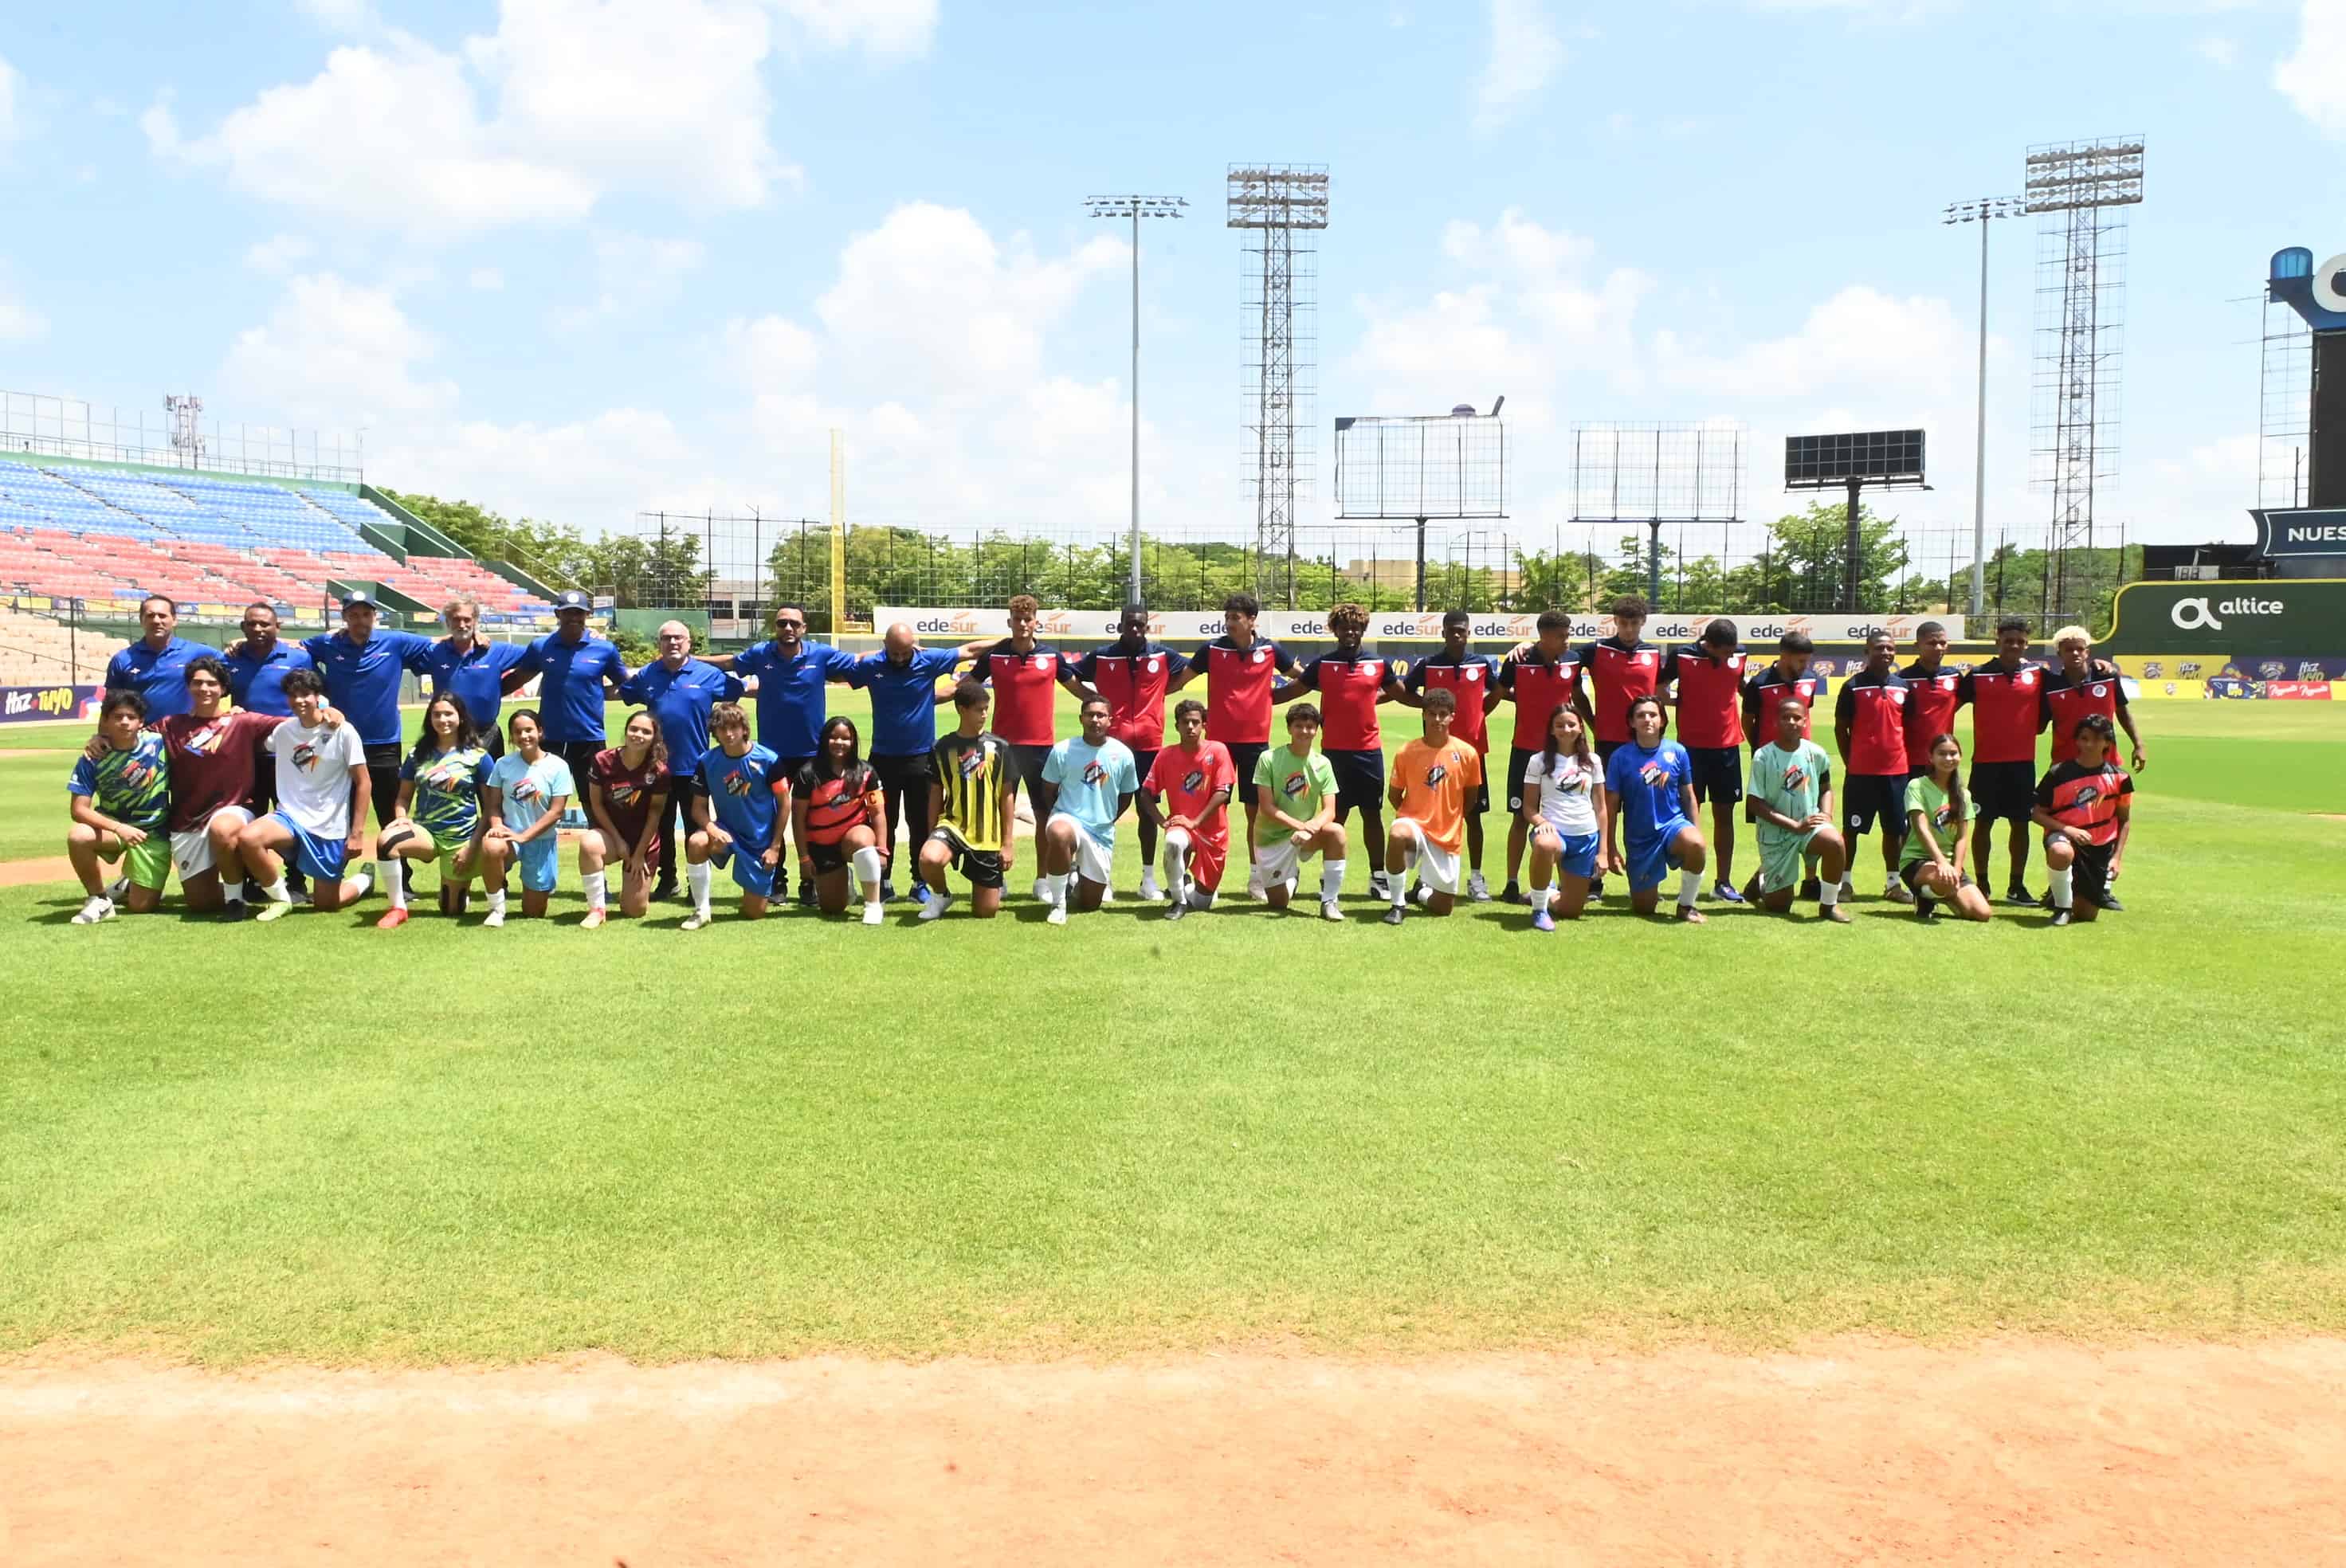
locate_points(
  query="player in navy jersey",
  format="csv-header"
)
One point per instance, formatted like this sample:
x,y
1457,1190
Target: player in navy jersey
x,y
1869,724
1134,673
1473,681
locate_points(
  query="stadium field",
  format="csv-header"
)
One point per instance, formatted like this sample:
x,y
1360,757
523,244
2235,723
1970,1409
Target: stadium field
x,y
321,1143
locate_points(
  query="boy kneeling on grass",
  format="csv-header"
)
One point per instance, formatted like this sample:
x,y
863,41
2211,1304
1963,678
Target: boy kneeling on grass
x,y
119,802
2086,806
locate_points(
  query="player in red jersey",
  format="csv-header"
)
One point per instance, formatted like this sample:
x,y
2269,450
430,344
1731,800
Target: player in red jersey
x,y
1706,681
1473,681
1539,676
626,794
1620,669
1351,683
2006,694
1239,668
1188,789
1933,692
1134,673
1023,673
1788,677
2087,809
1870,725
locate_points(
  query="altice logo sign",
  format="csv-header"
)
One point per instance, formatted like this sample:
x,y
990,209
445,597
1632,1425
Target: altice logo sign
x,y
2195,613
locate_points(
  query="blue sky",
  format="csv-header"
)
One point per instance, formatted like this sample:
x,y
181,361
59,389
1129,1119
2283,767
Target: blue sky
x,y
571,257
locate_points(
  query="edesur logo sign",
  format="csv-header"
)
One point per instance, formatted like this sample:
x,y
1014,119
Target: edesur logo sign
x,y
2191,615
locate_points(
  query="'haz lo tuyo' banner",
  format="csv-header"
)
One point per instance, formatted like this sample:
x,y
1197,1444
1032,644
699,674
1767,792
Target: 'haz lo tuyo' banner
x,y
1179,628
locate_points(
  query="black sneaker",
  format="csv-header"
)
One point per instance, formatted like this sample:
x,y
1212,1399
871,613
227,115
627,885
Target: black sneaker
x,y
1393,915
298,897
1513,893
1811,889
2110,904
888,894
1177,911
1596,887
2060,917
1926,908
806,892
2019,896
663,891
235,909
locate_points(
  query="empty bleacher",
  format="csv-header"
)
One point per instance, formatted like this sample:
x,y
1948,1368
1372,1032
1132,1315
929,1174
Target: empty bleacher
x,y
103,535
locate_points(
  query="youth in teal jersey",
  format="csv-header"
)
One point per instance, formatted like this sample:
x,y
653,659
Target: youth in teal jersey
x,y
1790,798
1092,781
529,790
119,802
440,786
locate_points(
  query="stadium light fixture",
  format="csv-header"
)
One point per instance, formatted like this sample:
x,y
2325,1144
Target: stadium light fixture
x,y
1983,212
1136,208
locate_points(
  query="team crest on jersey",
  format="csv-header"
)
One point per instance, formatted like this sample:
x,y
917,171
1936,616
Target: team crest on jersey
x,y
138,775
1897,698
1259,655
2101,690
1472,672
1376,668
2028,677
1152,665
1041,661
1643,658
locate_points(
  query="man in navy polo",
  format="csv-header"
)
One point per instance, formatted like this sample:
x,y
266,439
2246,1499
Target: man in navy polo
x,y
362,666
257,668
791,674
680,689
577,669
472,671
155,666
902,680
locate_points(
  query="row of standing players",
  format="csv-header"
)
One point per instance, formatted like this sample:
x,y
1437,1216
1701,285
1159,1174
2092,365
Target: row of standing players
x,y
1884,718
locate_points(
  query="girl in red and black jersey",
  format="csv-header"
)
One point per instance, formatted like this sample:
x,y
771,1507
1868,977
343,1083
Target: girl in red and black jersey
x,y
836,816
2086,806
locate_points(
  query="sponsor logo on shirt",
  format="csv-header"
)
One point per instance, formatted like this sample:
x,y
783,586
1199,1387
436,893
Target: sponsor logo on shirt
x,y
623,794
1796,777
1293,786
1193,781
972,762
305,754
1653,775
1094,773
1436,775
739,783
204,741
527,789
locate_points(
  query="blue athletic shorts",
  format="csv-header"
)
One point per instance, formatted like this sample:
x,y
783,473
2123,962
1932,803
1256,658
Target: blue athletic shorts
x,y
1651,859
1579,857
541,863
314,857
750,872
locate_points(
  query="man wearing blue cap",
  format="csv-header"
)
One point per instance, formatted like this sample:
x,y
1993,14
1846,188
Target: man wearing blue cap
x,y
361,665
155,666
577,671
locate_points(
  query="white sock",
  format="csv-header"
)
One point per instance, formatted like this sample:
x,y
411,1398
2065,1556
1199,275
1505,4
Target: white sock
x,y
233,893
359,884
1400,885
1176,860
2062,895
597,890
1689,887
1828,893
275,892
696,877
1542,897
389,871
1332,877
866,862
497,900
1055,887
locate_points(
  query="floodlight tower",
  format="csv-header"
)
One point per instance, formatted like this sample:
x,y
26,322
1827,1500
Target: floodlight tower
x,y
1136,208
1982,212
1275,200
2081,251
187,411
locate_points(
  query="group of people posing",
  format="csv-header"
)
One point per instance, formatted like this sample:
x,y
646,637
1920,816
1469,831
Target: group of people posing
x,y
262,767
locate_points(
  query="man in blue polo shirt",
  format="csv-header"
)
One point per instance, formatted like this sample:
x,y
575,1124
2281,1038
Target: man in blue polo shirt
x,y
791,674
575,670
362,666
155,666
902,680
257,668
472,671
679,691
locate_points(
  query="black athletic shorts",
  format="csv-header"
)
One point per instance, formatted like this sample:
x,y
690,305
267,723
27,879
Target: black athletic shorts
x,y
1519,763
1911,873
580,754
1244,755
915,771
383,781
2089,874
982,867
827,857
1478,804
2002,791
1142,761
1028,760
1359,779
1718,772
1866,797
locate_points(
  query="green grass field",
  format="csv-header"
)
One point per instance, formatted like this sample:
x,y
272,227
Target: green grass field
x,y
318,1141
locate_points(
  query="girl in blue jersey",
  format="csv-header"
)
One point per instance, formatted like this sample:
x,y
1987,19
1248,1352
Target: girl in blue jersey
x,y
1649,790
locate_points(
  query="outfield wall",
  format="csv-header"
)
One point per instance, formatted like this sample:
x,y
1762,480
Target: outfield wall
x,y
1399,626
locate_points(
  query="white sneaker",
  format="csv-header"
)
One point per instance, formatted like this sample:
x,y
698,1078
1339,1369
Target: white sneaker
x,y
1059,915
1848,889
496,918
1254,884
97,908
875,913
1107,897
694,922
1328,910
1380,885
1896,892
1148,885
1042,892
117,889
1420,892
935,907
1477,889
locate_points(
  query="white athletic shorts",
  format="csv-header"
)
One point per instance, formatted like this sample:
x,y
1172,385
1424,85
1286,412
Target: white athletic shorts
x,y
1280,861
1095,862
191,848
1437,868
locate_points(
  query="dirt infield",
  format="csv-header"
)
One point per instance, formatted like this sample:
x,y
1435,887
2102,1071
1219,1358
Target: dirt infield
x,y
1852,1453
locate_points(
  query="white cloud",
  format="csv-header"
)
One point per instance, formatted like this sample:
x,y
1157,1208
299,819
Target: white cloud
x,y
1912,351
1524,53
279,254
9,84
633,275
488,280
566,103
2314,77
2219,52
336,353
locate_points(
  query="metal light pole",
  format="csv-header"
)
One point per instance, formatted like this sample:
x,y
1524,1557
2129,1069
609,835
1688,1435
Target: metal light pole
x,y
1981,213
1136,208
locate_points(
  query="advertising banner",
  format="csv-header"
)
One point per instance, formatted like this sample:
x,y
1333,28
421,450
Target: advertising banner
x,y
1183,628
2298,690
2243,621
2300,530
30,703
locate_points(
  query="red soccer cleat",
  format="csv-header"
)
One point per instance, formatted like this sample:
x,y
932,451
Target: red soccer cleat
x,y
392,920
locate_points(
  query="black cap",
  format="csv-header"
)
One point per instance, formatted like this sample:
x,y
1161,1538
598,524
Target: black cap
x,y
361,596
572,599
